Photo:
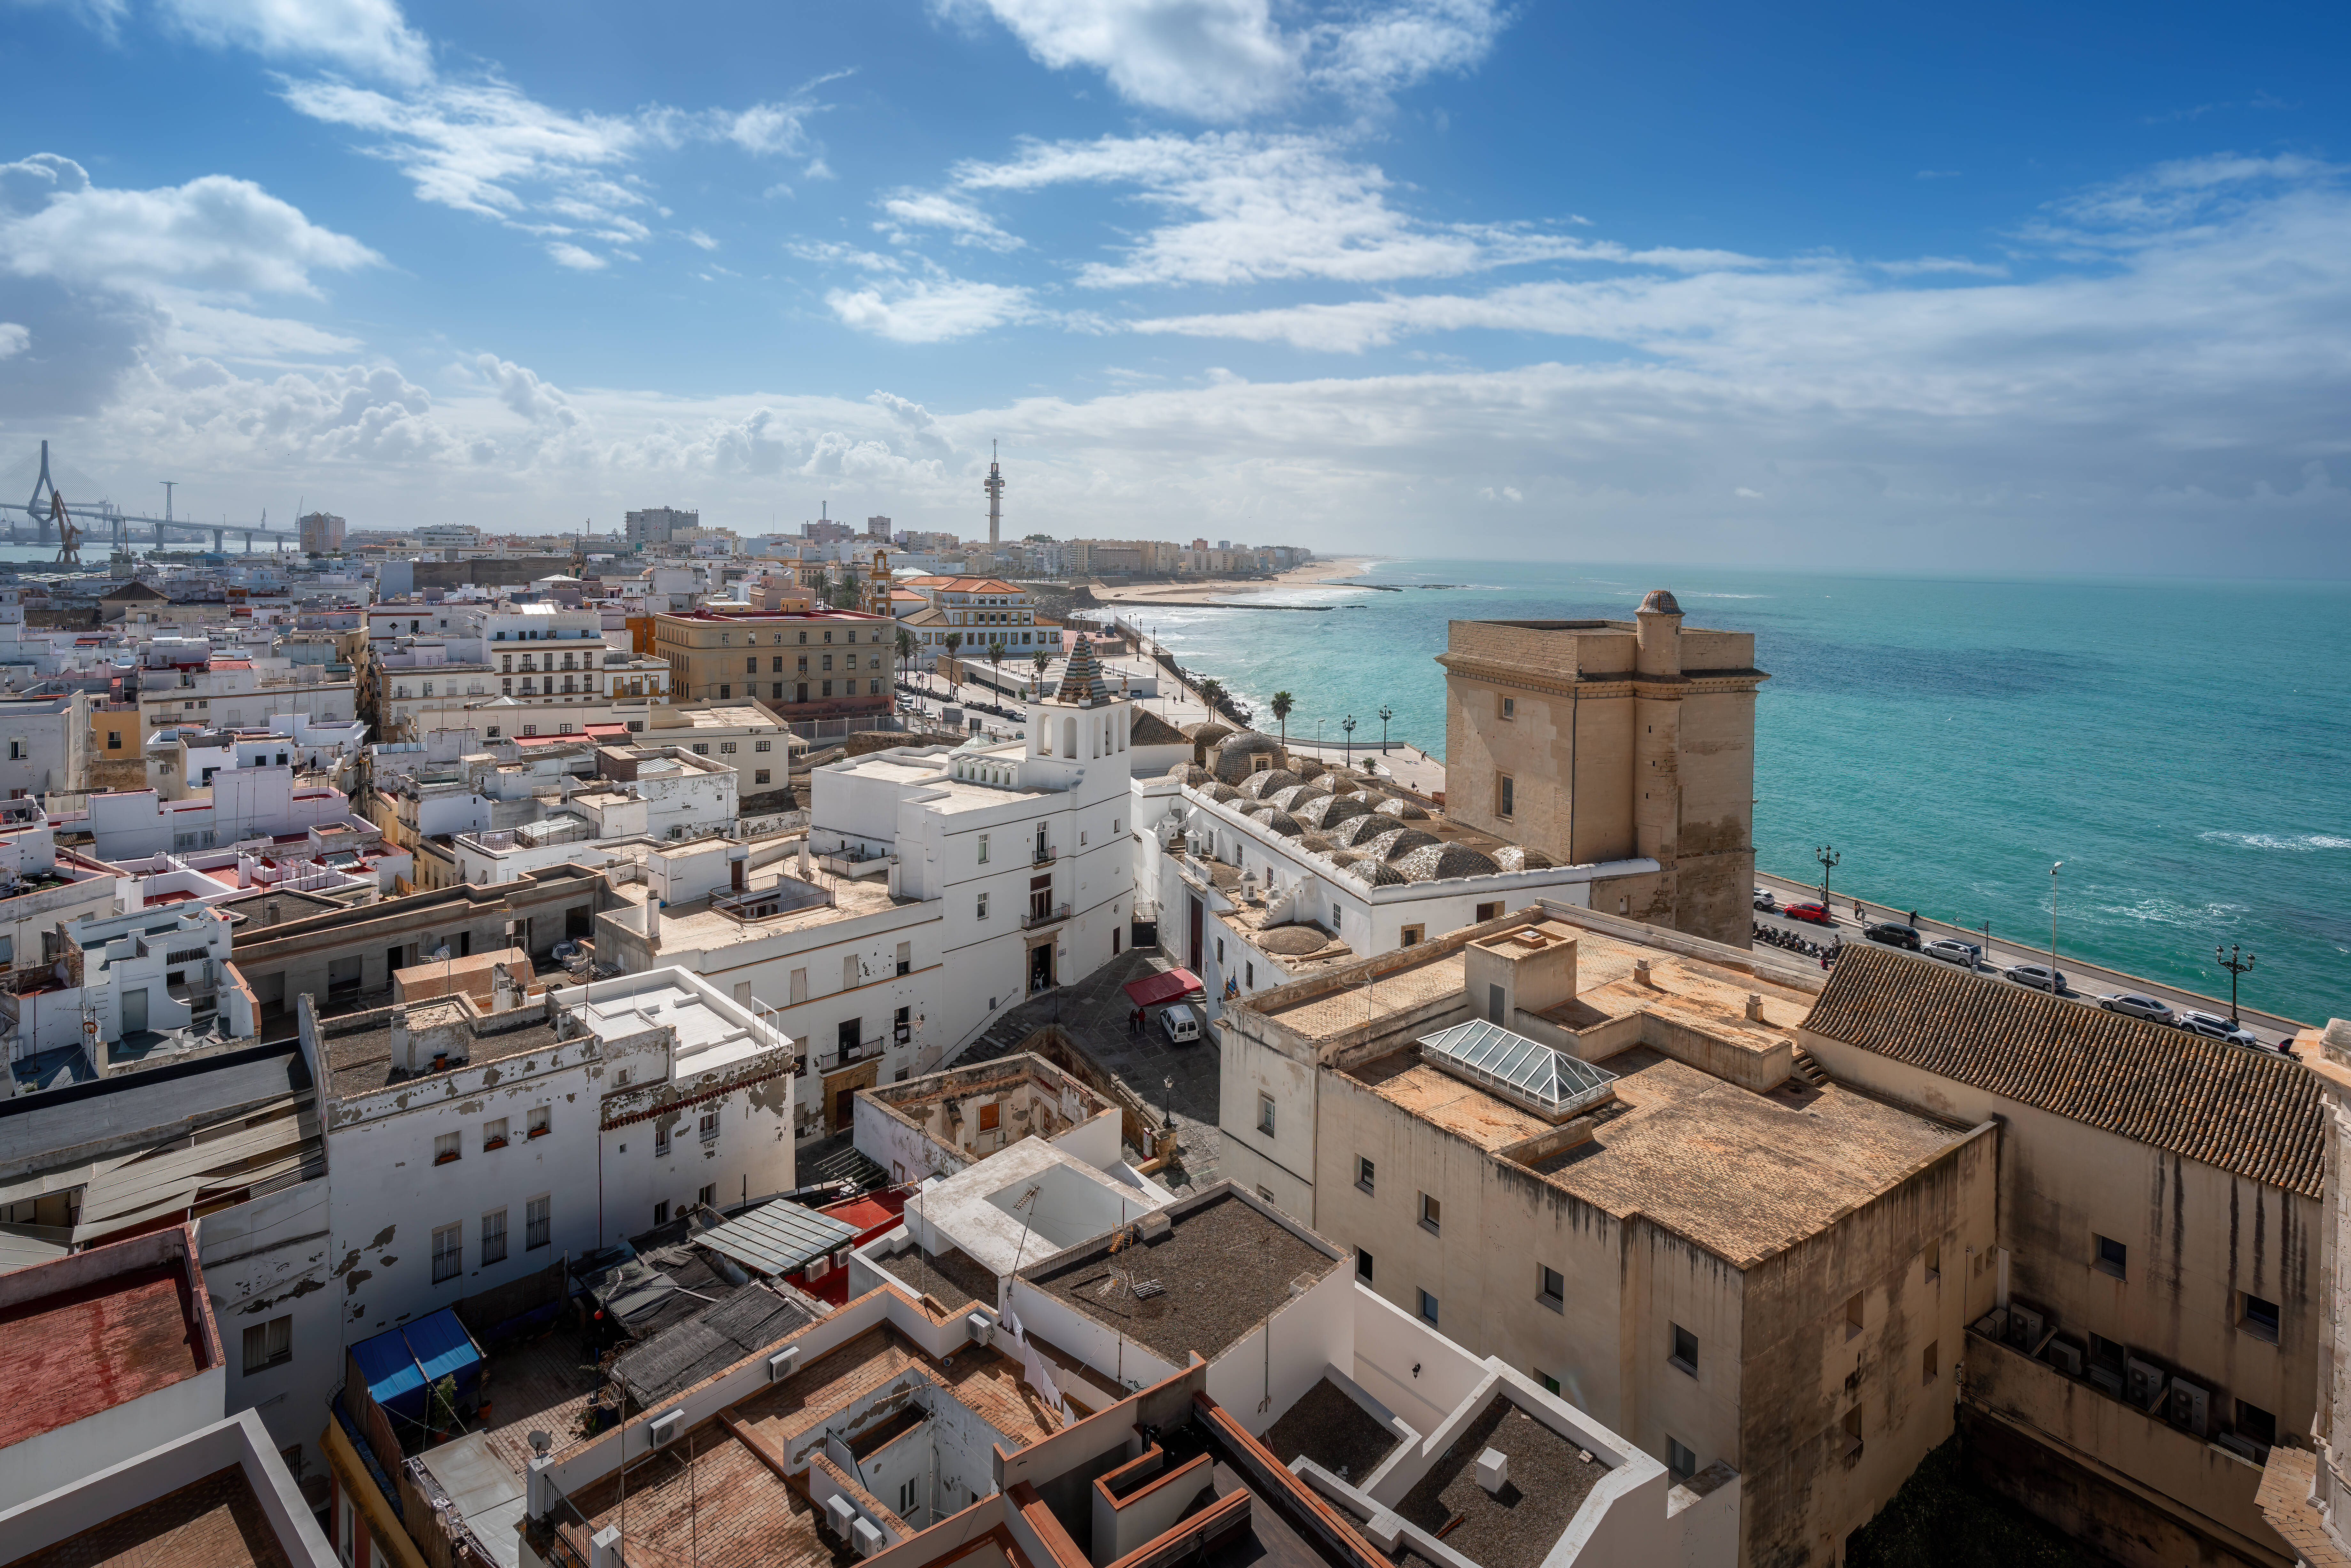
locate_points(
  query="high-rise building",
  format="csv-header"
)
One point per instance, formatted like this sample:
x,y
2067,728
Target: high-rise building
x,y
877,527
322,534
994,486
654,525
827,530
1604,740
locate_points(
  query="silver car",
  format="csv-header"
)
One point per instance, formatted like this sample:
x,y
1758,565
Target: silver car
x,y
2137,1007
2034,975
1951,950
2212,1026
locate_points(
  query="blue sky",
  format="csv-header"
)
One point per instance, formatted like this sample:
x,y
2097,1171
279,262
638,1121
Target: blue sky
x,y
2010,291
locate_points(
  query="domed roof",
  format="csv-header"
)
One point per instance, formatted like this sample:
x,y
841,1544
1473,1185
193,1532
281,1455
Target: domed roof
x,y
1220,793
1379,874
1395,842
1236,756
1266,782
1207,732
1402,810
1442,862
1660,602
1316,844
1293,941
1309,767
1327,811
1355,830
1249,808
1282,822
1344,857
1297,795
1516,857
1191,773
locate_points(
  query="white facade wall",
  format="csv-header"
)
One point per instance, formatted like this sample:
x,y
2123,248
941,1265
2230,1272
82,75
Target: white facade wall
x,y
266,1259
44,745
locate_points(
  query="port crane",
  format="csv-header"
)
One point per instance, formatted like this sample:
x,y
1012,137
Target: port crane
x,y
51,519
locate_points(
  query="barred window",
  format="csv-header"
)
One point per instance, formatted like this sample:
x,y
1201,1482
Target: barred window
x,y
267,1344
493,1236
448,1252
534,1226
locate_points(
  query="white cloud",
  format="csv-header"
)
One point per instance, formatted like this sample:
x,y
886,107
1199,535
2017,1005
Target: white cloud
x,y
14,336
566,254
367,36
1244,207
1228,59
919,310
699,240
937,209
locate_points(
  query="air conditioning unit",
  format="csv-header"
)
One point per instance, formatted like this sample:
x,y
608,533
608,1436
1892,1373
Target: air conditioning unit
x,y
2025,1327
2191,1407
780,1364
667,1428
841,1513
2065,1357
2143,1383
818,1268
867,1535
979,1328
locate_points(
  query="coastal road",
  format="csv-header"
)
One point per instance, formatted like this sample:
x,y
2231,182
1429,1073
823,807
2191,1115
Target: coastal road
x,y
2086,982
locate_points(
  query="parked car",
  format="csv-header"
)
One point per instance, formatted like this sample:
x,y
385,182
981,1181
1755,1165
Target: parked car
x,y
1892,934
2036,975
1763,899
2212,1026
1815,912
2137,1007
1951,950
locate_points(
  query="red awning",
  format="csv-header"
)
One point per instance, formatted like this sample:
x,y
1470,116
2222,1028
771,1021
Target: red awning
x,y
606,728
1165,986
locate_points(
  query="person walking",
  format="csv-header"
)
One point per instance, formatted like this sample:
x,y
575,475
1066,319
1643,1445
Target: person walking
x,y
1914,919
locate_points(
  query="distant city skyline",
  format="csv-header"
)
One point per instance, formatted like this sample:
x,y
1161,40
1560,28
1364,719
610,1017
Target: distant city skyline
x,y
1857,291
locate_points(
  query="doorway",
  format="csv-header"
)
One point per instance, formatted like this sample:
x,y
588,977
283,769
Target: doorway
x,y
1040,967
134,1012
1195,936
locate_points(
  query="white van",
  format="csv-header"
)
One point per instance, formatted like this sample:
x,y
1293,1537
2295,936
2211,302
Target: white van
x,y
1181,1024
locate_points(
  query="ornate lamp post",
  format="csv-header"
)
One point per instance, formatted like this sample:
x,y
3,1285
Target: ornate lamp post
x,y
1828,857
1387,713
2236,967
1348,724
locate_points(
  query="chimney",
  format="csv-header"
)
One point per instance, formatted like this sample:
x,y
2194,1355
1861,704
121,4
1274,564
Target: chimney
x,y
653,921
269,913
1754,1007
401,1051
1493,1470
1641,973
504,994
804,858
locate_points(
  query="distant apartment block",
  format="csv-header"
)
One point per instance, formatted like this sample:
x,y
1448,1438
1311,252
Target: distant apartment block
x,y
322,534
654,525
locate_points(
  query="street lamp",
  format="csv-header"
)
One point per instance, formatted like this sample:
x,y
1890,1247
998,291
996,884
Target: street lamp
x,y
2236,967
1828,857
1348,724
1167,1101
1387,713
2055,991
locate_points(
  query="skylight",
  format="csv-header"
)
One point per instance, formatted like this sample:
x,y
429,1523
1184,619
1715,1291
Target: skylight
x,y
1548,1082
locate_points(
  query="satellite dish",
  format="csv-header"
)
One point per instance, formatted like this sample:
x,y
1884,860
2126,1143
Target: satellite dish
x,y
441,954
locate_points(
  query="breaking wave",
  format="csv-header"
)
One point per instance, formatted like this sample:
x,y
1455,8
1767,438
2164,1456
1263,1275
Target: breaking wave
x,y
2299,843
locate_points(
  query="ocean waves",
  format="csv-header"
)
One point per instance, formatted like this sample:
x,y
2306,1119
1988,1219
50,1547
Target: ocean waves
x,y
2292,843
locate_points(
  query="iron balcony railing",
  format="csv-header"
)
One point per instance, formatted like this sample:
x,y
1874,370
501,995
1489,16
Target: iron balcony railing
x,y
1035,918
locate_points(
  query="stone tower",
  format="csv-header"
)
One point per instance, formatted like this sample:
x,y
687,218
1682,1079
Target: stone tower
x,y
1601,740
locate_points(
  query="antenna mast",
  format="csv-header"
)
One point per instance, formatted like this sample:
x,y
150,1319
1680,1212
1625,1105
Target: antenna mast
x,y
994,486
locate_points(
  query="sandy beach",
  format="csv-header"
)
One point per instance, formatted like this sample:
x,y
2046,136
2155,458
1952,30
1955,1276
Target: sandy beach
x,y
1211,589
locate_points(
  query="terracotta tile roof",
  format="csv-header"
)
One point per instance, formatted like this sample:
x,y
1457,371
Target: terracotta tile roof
x,y
215,1522
2252,1111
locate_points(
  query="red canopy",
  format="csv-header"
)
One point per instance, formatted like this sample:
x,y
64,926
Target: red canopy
x,y
1163,986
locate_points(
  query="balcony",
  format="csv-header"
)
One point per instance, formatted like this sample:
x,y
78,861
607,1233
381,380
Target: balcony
x,y
838,1060
1043,857
1037,917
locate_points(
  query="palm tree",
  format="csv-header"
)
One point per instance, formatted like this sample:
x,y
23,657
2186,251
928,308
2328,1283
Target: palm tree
x,y
905,652
1282,705
1041,659
1211,692
995,658
955,666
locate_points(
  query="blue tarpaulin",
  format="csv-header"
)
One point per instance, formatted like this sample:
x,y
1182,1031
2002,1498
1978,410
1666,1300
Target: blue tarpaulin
x,y
400,1364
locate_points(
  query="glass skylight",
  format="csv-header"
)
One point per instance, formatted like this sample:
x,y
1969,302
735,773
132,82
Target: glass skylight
x,y
1550,1083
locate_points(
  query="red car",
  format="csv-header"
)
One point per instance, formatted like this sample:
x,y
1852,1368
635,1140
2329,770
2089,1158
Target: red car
x,y
1817,913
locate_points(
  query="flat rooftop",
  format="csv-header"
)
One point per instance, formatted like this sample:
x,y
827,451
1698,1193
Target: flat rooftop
x,y
1742,1174
1516,1527
76,1352
692,923
214,1522
1328,1426
359,1059
953,1278
1221,1267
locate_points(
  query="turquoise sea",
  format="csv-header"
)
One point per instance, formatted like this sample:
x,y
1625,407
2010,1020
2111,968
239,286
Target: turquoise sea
x,y
2184,748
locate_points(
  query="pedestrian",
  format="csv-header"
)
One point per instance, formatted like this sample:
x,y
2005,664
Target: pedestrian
x,y
1914,917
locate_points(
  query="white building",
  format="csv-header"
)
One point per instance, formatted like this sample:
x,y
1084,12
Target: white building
x,y
644,797
44,744
244,804
470,1147
1023,844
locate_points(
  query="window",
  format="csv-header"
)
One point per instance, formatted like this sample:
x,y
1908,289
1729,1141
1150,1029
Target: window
x,y
1429,1309
494,1135
1929,1367
1852,1433
2260,1319
1506,795
1267,1194
534,1226
983,849
1488,911
1684,1352
661,1137
1852,1314
1413,935
726,748
1932,1259
539,1121
493,1236
445,1148
703,749
2113,1258
751,666
725,690
1248,976
1334,916
15,751
709,1125
1509,707
761,745
1550,1287
983,906
1265,1115
1681,1460
760,776
267,1344
2256,1423
661,1212
990,1116
448,1252
1363,1173
1362,1266
1432,1214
